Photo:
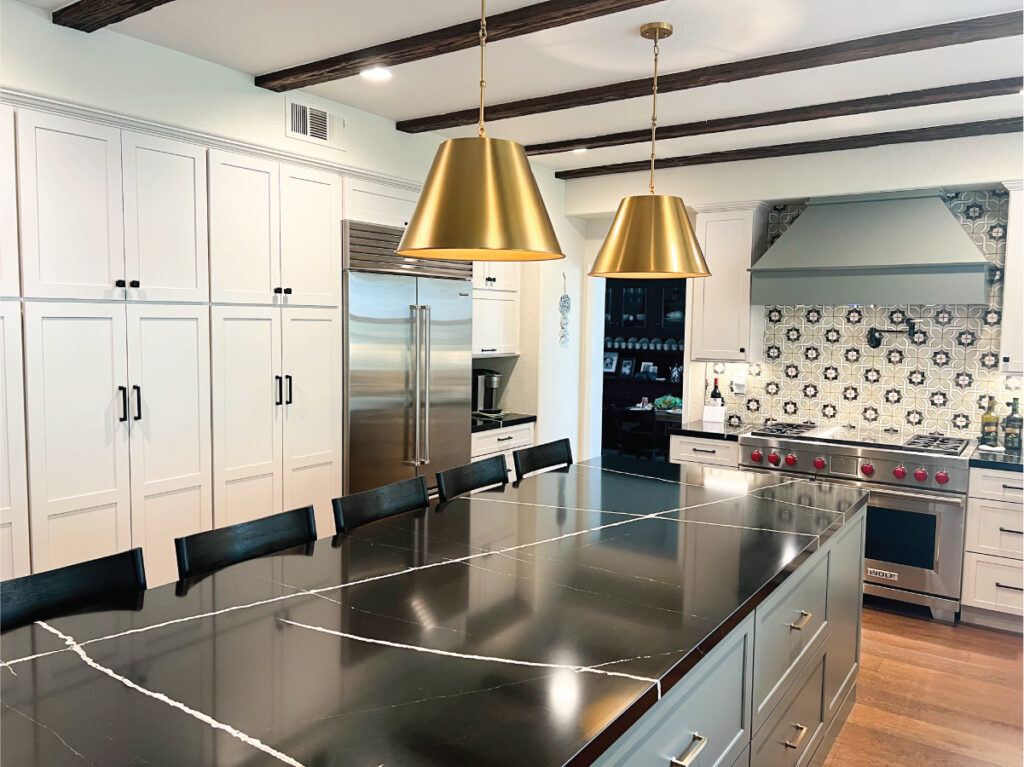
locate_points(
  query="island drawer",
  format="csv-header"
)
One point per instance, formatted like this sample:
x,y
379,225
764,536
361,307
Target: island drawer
x,y
993,583
790,737
703,717
995,527
717,452
499,440
997,485
787,627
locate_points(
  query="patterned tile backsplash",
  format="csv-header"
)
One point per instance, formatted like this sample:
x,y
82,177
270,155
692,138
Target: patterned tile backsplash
x,y
819,366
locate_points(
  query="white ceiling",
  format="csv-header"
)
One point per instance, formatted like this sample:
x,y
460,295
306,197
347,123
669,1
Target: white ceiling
x,y
257,36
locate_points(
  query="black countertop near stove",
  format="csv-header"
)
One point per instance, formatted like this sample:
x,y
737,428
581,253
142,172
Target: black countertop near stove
x,y
707,430
527,625
983,459
501,421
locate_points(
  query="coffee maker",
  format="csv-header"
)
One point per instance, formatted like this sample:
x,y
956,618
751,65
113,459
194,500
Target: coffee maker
x,y
485,391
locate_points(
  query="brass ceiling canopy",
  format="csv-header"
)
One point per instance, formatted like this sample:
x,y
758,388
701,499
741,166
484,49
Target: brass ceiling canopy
x,y
651,236
480,201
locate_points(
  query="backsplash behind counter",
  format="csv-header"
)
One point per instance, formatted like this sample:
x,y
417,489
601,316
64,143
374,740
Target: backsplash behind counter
x,y
819,367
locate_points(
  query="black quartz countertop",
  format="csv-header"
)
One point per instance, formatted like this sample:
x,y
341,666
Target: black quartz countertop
x,y
983,459
524,626
501,421
708,430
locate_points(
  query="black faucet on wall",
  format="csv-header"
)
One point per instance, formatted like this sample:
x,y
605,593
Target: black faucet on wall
x,y
875,335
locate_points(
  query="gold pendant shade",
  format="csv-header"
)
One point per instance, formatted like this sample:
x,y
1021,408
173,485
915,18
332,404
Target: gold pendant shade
x,y
651,237
480,202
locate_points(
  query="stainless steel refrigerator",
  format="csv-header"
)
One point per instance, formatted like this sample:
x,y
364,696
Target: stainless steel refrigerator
x,y
408,361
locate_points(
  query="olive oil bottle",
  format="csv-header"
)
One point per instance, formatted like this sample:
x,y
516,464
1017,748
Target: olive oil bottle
x,y
1012,427
990,426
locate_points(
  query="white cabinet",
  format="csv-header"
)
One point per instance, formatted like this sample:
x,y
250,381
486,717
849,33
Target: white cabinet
x,y
712,452
69,184
165,232
310,236
76,369
724,325
376,203
311,364
504,441
495,323
10,283
496,275
14,535
171,475
1011,349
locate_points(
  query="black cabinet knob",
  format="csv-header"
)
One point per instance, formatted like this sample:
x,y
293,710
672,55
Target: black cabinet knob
x,y
120,284
288,291
134,284
279,290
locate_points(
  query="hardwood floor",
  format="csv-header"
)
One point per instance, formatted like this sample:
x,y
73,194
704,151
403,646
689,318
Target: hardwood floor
x,y
933,695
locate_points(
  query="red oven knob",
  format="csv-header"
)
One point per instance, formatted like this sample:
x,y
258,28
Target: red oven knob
x,y
899,472
819,463
773,459
755,456
941,477
791,460
920,475
867,470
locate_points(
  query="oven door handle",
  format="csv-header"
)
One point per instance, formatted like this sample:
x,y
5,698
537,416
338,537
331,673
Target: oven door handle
x,y
954,500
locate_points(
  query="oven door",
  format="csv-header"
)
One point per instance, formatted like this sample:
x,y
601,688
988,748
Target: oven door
x,y
915,541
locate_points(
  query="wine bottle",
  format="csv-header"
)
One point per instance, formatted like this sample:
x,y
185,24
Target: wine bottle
x,y
1012,427
716,396
990,425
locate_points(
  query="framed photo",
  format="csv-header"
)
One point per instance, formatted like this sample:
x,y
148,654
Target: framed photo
x,y
648,367
611,359
627,366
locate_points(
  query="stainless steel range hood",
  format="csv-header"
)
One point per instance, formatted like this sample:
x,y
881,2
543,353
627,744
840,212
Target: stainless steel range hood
x,y
908,250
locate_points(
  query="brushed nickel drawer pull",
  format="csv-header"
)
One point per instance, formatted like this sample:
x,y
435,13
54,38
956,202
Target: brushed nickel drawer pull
x,y
1007,586
799,738
692,751
1008,530
802,621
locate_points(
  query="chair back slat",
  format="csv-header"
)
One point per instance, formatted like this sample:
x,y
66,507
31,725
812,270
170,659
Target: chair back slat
x,y
204,553
117,582
357,509
539,457
473,476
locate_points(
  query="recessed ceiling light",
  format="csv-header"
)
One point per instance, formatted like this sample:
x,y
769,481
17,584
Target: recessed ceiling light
x,y
579,150
376,73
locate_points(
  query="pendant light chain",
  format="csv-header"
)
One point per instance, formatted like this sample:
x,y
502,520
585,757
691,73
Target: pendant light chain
x,y
654,108
481,130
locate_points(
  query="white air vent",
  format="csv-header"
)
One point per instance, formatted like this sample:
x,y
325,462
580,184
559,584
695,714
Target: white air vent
x,y
308,122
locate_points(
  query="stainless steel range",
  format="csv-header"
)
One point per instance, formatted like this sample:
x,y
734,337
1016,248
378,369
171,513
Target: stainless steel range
x,y
917,488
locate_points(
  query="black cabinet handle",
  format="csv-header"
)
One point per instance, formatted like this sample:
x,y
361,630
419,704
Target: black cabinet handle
x,y
288,401
124,403
743,350
279,290
138,402
288,291
1012,487
505,439
1010,588
488,350
701,450
120,284
135,284
280,390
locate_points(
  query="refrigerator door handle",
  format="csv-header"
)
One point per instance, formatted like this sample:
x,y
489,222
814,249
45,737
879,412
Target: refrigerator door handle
x,y
425,314
414,310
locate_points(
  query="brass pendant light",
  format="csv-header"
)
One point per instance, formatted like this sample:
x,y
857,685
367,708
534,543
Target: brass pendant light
x,y
480,201
651,236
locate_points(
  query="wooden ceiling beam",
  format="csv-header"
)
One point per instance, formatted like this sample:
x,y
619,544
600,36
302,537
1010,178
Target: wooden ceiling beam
x,y
890,44
932,133
501,26
942,95
90,15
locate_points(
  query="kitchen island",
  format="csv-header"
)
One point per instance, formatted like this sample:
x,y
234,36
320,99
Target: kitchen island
x,y
588,615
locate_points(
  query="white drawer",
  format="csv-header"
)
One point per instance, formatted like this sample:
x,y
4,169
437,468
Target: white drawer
x,y
510,465
993,583
997,485
500,440
718,452
995,527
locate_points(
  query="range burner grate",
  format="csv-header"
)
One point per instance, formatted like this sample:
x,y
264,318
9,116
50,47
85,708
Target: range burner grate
x,y
782,429
931,443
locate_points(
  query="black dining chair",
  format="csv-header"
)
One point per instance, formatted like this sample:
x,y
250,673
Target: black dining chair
x,y
637,433
473,476
203,553
117,582
357,509
540,457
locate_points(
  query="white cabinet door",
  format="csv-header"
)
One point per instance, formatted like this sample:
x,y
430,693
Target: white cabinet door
x,y
1011,347
310,236
14,537
248,410
496,275
69,186
496,323
77,407
378,203
245,241
171,463
311,363
165,219
10,283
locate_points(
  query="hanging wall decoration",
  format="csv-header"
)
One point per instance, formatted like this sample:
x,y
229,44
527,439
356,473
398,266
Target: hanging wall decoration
x,y
564,305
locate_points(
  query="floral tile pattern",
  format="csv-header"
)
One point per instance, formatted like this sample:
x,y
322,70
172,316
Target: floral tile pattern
x,y
818,366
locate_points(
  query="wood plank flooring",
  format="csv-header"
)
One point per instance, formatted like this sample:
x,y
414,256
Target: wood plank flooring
x,y
933,694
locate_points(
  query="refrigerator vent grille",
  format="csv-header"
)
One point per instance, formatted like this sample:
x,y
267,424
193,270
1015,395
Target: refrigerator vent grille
x,y
371,248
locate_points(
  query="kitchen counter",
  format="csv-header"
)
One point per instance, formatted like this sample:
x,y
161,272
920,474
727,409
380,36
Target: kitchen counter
x,y
708,430
528,625
501,421
983,459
